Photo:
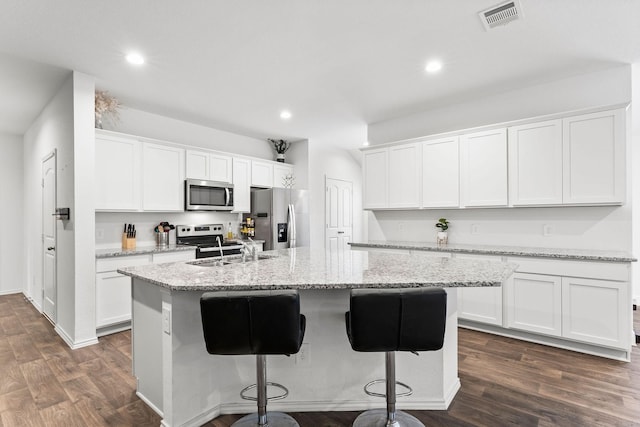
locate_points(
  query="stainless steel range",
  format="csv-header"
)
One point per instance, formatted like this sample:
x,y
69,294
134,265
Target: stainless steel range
x,y
208,239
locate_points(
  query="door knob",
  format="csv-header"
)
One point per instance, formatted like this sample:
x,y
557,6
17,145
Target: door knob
x,y
51,248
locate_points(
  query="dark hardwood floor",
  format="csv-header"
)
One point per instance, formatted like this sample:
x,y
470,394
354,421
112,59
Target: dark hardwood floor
x,y
504,382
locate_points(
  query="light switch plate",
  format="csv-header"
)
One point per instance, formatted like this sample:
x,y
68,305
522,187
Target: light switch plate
x,y
166,320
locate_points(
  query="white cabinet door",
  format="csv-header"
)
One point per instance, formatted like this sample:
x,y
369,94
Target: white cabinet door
x,y
596,311
261,174
117,173
198,165
482,305
534,303
221,168
280,172
404,176
440,173
483,168
162,178
241,185
594,158
375,179
535,164
113,298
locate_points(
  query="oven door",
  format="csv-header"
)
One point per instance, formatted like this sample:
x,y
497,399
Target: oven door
x,y
214,251
207,195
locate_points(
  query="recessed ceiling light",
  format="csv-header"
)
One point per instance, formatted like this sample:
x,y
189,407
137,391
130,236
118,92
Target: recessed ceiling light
x,y
135,58
433,66
285,115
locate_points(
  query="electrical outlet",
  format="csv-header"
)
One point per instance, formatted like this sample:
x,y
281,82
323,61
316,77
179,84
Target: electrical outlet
x,y
99,233
166,319
547,230
475,229
303,356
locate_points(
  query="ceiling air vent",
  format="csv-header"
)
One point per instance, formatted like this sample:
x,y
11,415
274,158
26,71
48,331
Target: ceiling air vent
x,y
501,14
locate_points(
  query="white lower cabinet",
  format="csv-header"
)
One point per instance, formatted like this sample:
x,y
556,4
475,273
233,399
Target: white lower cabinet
x,y
113,290
480,304
596,311
534,303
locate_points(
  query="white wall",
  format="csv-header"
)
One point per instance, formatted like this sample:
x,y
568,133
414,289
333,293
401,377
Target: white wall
x,y
66,125
608,87
12,278
141,123
327,161
634,165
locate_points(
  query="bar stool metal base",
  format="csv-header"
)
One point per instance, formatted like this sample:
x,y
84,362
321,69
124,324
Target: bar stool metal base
x,y
274,419
380,418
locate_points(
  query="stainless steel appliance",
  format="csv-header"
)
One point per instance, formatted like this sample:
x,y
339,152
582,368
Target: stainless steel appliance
x,y
208,239
201,195
281,217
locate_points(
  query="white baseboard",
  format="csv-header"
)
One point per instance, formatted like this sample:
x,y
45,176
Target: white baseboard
x,y
11,292
74,345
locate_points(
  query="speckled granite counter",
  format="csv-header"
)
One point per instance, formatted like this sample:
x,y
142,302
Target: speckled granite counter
x,y
570,254
303,269
141,250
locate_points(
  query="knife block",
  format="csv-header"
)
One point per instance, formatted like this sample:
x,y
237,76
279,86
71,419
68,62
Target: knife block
x,y
128,242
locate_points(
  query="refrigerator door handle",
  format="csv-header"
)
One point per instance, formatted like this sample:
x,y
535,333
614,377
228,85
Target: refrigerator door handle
x,y
291,220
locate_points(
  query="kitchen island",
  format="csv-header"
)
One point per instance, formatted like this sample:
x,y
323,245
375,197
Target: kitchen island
x,y
188,387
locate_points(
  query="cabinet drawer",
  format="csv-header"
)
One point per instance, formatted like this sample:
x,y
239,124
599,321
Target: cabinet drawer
x,y
589,269
114,263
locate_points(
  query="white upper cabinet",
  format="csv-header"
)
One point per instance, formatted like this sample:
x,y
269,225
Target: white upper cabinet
x,y
375,178
209,166
198,165
221,168
163,178
483,168
440,173
261,174
280,172
241,185
404,176
117,172
535,164
594,158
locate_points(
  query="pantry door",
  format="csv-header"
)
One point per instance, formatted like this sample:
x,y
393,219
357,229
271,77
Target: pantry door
x,y
49,290
339,215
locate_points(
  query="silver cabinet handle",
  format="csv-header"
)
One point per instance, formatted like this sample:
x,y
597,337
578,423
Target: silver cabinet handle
x,y
340,232
51,248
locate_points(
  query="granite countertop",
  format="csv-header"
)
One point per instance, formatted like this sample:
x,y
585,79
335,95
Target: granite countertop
x,y
567,254
302,268
141,250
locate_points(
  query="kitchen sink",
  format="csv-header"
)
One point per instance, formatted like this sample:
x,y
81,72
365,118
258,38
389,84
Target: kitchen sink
x,y
217,262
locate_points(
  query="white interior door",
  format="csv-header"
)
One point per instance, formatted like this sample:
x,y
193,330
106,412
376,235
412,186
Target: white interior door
x,y
49,236
339,215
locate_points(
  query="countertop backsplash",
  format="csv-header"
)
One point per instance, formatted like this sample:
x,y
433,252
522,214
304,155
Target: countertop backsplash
x,y
589,227
109,225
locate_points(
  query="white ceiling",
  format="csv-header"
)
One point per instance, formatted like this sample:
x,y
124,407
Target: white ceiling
x,y
336,64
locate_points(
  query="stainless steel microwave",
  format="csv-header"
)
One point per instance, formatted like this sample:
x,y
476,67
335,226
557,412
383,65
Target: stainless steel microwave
x,y
200,195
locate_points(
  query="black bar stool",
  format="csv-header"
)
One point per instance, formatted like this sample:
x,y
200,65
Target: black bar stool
x,y
393,320
260,323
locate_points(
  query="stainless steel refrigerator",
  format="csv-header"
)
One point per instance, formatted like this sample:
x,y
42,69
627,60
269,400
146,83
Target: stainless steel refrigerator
x,y
281,217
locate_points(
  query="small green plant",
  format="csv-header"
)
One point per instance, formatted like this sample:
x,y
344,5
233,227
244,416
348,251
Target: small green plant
x,y
442,224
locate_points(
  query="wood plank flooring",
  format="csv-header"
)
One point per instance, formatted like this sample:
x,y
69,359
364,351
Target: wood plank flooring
x,y
504,382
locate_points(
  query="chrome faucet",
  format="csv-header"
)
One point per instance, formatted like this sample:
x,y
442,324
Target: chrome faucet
x,y
246,249
220,247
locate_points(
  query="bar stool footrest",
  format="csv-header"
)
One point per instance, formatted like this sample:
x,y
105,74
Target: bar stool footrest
x,y
255,399
367,386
